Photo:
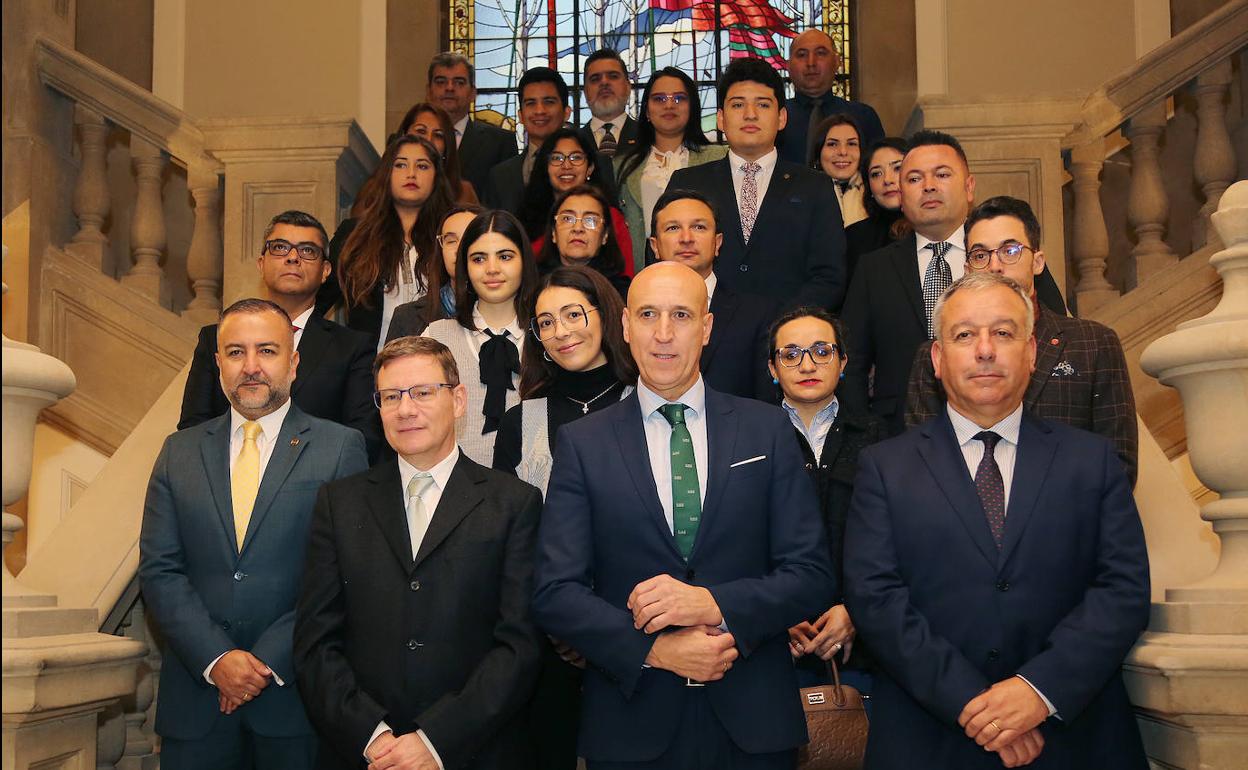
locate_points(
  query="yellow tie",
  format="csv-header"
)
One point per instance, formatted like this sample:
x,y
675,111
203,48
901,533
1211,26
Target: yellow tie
x,y
245,480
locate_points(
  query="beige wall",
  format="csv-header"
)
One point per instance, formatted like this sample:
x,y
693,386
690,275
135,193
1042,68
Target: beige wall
x,y
886,69
118,34
411,41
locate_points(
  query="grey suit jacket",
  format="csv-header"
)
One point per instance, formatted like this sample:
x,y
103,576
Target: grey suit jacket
x,y
205,596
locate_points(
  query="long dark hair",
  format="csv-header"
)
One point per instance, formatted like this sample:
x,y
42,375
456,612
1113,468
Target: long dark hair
x,y
694,139
609,260
539,194
372,251
537,373
438,277
820,135
450,158
506,225
895,142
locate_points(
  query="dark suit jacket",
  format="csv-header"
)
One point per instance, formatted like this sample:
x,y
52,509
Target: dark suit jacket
x,y
734,361
409,318
1080,379
505,188
794,140
885,322
760,551
626,137
796,252
483,147
947,614
334,380
205,596
442,643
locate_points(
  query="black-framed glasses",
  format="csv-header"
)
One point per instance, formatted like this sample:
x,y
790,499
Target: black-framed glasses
x,y
573,158
567,220
390,398
308,252
448,240
677,98
821,353
1008,252
573,317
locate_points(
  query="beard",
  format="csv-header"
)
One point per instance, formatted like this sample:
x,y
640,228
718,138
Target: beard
x,y
608,106
257,402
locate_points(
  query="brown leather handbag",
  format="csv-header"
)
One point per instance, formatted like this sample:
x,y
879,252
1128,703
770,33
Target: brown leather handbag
x,y
837,723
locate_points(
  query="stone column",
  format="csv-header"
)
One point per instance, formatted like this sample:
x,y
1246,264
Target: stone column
x,y
203,259
91,196
1148,208
1090,243
1188,675
1215,157
147,223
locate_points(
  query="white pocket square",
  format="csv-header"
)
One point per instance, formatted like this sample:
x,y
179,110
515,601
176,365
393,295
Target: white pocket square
x,y
747,462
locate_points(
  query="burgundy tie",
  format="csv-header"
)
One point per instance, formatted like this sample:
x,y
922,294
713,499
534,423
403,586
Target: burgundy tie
x,y
990,486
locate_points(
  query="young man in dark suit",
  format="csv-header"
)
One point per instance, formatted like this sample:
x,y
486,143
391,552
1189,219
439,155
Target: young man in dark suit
x,y
1081,374
543,110
413,641
224,529
995,563
452,85
783,236
734,361
334,381
680,540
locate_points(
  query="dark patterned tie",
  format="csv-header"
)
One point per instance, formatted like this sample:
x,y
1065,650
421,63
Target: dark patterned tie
x,y
749,198
686,494
990,486
935,280
609,143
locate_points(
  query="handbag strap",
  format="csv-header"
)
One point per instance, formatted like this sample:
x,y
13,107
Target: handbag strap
x,y
838,694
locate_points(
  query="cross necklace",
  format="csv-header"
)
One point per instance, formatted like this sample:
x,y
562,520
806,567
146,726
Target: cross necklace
x,y
585,404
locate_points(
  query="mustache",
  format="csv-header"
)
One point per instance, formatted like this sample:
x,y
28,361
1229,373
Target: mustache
x,y
253,379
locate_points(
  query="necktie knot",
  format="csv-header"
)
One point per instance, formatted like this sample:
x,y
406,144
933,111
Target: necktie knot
x,y
251,430
940,248
751,168
419,485
673,413
606,127
989,438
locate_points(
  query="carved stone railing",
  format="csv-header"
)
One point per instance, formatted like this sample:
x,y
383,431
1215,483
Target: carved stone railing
x,y
159,135
1136,106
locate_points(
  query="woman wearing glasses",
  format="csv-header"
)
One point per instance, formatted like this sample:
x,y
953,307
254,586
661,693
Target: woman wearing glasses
x,y
669,137
808,355
382,254
496,277
568,156
579,235
412,318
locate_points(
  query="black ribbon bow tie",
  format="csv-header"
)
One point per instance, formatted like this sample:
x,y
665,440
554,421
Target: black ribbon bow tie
x,y
499,359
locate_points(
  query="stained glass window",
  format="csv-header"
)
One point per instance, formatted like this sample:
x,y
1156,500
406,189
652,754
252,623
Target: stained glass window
x,y
505,37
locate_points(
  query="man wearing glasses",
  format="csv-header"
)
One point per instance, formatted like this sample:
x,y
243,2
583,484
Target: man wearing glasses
x,y
413,643
1081,373
334,381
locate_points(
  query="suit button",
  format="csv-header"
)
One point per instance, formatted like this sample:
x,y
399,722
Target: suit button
x,y
809,466
993,654
414,585
690,574
1003,586
412,644
225,625
240,575
745,268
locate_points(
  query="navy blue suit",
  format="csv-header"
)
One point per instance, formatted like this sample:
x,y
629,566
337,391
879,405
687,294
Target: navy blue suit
x,y
760,550
947,615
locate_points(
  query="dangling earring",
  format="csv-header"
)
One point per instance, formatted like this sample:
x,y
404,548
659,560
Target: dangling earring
x,y
546,356
774,381
842,375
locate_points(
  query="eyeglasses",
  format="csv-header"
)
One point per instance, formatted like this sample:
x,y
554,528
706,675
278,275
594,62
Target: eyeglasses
x,y
572,317
390,398
568,220
574,158
820,353
677,98
448,241
1008,252
308,252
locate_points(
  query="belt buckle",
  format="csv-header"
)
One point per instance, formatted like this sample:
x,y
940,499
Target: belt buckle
x,y
693,683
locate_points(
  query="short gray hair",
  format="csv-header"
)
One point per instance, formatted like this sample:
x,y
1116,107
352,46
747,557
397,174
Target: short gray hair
x,y
979,280
449,59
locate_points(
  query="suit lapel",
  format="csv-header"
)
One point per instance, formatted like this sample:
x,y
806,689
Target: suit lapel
x,y
463,493
289,444
723,306
773,201
1050,342
943,457
388,508
631,434
906,264
722,181
1036,449
312,347
215,451
721,440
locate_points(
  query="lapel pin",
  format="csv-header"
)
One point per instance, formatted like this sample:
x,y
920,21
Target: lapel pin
x,y
294,441
786,176
1053,341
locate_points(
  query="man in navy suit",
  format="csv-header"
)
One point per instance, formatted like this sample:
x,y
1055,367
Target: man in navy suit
x,y
783,236
224,530
679,539
995,563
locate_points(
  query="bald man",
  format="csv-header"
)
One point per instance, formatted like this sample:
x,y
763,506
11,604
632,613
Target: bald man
x,y
680,539
813,64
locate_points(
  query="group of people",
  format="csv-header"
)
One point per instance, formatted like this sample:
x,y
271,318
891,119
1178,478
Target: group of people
x,y
607,460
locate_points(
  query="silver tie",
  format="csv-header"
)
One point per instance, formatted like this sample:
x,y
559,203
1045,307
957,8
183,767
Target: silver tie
x,y
417,516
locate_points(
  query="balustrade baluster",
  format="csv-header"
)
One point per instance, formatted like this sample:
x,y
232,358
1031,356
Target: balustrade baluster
x,y
1215,157
110,739
147,223
91,198
1148,207
203,259
1090,244
139,746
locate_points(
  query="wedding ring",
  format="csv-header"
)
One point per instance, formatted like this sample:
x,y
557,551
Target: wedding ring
x,y
837,647
994,724
246,696
725,668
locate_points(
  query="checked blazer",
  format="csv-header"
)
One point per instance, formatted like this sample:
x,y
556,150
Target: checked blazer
x,y
1080,380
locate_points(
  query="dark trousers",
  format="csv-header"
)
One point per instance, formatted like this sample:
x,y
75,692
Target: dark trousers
x,y
231,745
701,743
555,712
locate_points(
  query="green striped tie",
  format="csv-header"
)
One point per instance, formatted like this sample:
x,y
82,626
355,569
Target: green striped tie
x,y
686,497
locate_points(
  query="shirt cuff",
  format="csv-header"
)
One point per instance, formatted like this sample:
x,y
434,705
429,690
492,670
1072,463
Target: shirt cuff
x,y
382,727
208,670
1047,703
432,750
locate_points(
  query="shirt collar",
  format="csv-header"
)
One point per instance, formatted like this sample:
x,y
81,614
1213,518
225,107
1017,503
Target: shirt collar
x,y
301,321
461,125
768,161
270,424
957,239
712,281
966,430
512,328
828,413
617,124
441,472
694,398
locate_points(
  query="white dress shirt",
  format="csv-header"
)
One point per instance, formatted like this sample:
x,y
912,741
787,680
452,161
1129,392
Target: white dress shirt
x,y
762,179
441,474
956,256
300,322
659,438
403,289
617,125
712,281
656,172
817,434
270,426
477,338
460,127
